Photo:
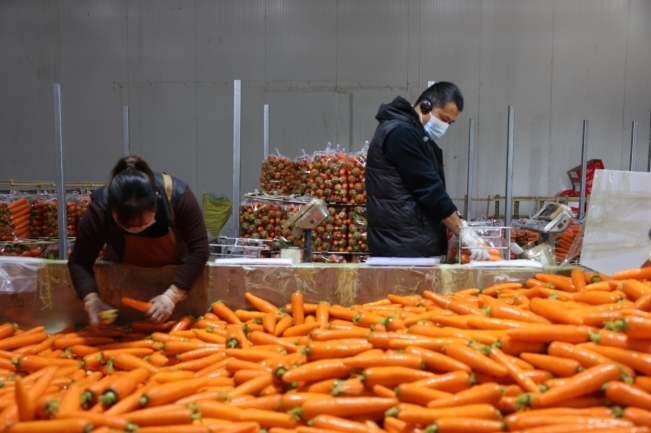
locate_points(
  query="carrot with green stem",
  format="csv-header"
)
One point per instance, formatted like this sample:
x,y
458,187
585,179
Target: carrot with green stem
x,y
475,360
225,313
123,386
638,416
77,425
318,370
285,323
627,395
346,406
323,314
584,355
583,383
489,393
260,304
513,370
409,360
25,339
549,333
170,392
633,274
578,279
411,393
559,282
561,367
635,360
554,311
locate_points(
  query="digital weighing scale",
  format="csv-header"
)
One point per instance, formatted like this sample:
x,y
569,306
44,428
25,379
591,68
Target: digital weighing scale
x,y
305,220
553,218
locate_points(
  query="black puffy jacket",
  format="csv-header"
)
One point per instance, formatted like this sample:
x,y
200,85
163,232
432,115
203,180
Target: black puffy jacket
x,y
398,225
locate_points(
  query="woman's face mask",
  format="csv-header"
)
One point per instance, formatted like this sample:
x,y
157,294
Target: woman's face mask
x,y
140,228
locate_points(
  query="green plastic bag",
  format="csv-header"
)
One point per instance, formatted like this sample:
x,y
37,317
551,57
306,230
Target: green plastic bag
x,y
216,212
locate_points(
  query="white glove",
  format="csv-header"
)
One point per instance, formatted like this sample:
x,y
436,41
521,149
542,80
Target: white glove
x,y
94,306
473,242
164,304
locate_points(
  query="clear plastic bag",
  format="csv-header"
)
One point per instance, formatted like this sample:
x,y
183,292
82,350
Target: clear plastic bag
x,y
15,211
358,230
301,177
277,174
569,244
356,175
259,219
19,275
47,208
330,235
493,240
327,179
329,258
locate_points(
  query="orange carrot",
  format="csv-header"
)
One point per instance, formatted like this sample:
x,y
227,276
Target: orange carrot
x,y
137,305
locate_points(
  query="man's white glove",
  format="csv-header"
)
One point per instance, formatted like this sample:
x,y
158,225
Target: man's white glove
x,y
164,304
473,242
94,306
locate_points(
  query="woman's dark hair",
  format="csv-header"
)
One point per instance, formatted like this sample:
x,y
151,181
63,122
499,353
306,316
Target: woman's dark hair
x,y
131,189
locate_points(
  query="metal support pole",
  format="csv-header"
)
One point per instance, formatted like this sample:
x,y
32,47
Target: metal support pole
x,y
508,206
266,131
237,123
584,168
648,166
471,155
350,121
633,145
307,234
61,183
125,129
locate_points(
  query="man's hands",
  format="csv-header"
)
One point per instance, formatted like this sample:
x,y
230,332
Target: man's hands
x,y
164,304
94,306
471,241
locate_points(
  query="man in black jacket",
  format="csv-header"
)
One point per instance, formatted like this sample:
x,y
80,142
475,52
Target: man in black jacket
x,y
408,206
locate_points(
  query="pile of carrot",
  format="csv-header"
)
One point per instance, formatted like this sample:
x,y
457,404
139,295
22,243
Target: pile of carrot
x,y
565,242
552,354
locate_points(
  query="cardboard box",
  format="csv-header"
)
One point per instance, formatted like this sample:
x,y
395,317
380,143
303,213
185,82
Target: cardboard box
x,y
575,175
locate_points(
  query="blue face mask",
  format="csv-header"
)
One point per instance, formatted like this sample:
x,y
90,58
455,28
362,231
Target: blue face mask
x,y
435,127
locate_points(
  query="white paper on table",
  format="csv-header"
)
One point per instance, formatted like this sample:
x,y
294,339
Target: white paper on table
x,y
403,261
617,221
507,264
254,261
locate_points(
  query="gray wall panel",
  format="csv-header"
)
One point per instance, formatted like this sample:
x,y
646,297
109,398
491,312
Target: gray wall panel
x,y
587,83
372,44
301,41
450,35
95,84
163,128
174,61
515,69
231,41
29,35
637,98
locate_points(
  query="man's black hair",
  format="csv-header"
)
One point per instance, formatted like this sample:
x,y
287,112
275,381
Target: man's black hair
x,y
441,93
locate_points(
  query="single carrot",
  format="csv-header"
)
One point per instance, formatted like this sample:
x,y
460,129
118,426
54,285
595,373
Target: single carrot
x,y
584,383
635,360
548,333
137,305
171,392
393,376
77,425
489,393
260,304
269,322
346,406
412,393
475,360
298,311
514,371
554,312
318,370
627,395
578,279
559,282
16,341
561,367
633,274
225,313
323,314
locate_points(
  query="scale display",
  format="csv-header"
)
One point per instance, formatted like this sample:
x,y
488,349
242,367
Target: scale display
x,y
553,218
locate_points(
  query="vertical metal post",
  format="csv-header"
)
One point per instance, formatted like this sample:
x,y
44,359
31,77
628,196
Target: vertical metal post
x,y
350,121
633,145
471,157
584,168
266,131
125,130
237,123
508,205
61,183
648,166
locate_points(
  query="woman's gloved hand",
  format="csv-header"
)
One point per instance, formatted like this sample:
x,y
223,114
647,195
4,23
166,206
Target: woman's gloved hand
x,y
94,306
473,242
164,304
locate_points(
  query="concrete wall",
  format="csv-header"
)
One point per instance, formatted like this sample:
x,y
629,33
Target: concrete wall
x,y
173,63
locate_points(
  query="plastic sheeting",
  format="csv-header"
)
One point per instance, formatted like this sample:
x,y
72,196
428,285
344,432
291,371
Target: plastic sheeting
x,y
53,302
617,222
